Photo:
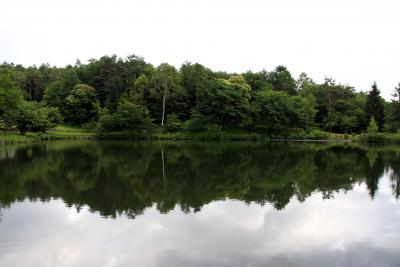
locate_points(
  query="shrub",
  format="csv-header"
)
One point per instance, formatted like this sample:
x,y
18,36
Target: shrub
x,y
317,135
296,133
196,123
373,137
173,124
214,131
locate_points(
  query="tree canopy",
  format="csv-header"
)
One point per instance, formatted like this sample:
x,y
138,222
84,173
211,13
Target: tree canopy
x,y
117,94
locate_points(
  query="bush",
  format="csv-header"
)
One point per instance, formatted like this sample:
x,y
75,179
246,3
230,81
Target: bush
x,y
129,116
296,133
107,122
173,124
317,135
34,116
54,115
373,137
393,138
89,126
214,131
3,125
196,123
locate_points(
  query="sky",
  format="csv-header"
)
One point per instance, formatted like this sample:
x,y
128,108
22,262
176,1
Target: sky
x,y
356,42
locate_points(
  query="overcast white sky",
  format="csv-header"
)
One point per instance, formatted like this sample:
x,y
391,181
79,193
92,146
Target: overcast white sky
x,y
353,41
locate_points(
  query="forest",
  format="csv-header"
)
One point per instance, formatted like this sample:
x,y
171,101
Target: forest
x,y
113,94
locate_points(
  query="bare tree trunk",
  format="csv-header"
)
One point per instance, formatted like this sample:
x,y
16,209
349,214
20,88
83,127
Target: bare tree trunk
x,y
163,165
163,107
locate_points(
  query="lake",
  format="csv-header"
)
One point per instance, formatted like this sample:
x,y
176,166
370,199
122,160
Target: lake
x,y
190,204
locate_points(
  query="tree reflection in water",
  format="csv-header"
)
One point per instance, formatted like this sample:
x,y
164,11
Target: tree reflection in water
x,y
115,178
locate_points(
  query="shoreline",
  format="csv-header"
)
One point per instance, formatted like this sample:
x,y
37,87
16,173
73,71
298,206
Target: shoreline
x,y
15,138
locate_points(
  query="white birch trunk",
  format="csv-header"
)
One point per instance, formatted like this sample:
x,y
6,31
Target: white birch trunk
x,y
163,107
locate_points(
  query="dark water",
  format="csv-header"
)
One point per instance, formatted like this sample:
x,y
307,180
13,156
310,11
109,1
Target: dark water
x,y
198,204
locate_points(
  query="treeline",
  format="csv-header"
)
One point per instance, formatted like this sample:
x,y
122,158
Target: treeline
x,y
114,94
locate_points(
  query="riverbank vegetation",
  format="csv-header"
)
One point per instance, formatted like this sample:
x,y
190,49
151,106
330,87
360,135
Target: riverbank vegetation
x,y
128,97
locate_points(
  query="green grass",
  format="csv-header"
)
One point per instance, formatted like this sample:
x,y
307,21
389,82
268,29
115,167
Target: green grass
x,y
59,132
12,138
69,132
63,131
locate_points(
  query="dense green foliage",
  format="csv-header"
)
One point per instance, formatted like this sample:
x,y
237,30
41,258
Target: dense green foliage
x,y
394,111
130,115
24,115
226,102
81,105
276,111
115,95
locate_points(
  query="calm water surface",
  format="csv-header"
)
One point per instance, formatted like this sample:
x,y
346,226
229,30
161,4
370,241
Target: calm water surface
x,y
199,204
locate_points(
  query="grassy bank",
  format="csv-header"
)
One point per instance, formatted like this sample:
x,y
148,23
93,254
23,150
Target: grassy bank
x,y
60,132
222,135
63,132
317,136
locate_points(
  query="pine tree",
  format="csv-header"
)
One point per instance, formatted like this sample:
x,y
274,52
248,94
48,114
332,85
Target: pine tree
x,y
374,106
373,126
394,114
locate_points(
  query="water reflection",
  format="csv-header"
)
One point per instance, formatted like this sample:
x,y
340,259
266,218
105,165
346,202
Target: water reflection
x,y
235,204
126,178
349,230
